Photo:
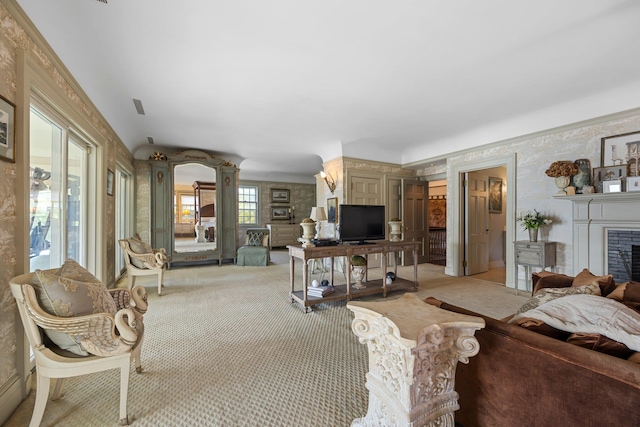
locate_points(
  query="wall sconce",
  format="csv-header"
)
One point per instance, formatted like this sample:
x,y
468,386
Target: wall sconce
x,y
331,182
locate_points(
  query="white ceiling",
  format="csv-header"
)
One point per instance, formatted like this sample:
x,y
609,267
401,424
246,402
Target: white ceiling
x,y
281,86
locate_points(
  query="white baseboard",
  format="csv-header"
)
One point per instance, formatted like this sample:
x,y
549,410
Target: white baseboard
x,y
10,398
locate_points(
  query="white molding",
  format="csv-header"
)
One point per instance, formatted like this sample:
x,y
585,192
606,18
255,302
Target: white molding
x,y
455,223
10,398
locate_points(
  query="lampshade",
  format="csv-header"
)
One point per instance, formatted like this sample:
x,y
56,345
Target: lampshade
x,y
318,214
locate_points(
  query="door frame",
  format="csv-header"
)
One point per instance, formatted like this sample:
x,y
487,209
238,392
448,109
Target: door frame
x,y
455,215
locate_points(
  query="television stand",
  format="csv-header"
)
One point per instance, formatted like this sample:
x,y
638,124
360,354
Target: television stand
x,y
346,291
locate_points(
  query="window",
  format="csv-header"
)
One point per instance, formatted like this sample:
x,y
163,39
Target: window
x,y
247,205
58,192
123,193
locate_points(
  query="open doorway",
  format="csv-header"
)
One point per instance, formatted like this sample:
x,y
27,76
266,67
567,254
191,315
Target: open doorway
x,y
456,213
485,224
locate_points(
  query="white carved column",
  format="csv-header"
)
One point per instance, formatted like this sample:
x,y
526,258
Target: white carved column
x,y
414,348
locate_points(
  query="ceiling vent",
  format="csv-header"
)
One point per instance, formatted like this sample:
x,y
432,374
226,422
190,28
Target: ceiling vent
x,y
150,139
103,1
138,105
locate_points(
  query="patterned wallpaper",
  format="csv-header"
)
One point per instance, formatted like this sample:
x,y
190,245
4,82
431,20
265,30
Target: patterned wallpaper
x,y
13,37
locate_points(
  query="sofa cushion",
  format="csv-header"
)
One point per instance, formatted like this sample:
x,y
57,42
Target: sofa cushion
x,y
540,327
628,294
72,291
585,277
600,343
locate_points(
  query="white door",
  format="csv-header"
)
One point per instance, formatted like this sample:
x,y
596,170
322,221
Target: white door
x,y
476,255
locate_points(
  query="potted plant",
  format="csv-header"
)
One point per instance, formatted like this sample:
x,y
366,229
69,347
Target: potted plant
x,y
562,171
532,221
358,269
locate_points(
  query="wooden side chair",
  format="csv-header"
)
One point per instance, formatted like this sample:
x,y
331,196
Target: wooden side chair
x,y
142,260
109,339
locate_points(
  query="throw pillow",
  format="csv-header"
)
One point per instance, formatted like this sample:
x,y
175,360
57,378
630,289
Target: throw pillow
x,y
550,280
628,294
585,277
139,247
549,294
540,327
255,238
63,296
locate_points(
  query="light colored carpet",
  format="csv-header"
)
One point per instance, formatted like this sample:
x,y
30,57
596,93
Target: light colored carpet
x,y
224,346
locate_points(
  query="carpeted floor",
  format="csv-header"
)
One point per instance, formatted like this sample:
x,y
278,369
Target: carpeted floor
x,y
224,346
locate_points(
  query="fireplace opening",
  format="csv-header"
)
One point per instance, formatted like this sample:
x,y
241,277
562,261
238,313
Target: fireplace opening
x,y
635,263
623,261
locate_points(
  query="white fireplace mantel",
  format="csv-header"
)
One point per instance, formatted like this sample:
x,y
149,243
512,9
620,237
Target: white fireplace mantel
x,y
593,216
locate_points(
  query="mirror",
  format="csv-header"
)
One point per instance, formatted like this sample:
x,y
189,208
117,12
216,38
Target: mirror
x,y
194,208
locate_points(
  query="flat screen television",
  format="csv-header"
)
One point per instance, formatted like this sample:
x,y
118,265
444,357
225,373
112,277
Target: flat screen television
x,y
360,223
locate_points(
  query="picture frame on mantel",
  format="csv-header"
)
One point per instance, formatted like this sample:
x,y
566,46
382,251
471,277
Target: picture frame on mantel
x,y
608,173
620,150
7,130
280,195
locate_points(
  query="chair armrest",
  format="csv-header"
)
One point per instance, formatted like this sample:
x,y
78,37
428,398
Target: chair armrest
x,y
150,260
135,299
102,334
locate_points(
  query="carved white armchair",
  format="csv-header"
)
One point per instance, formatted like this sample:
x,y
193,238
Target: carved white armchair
x,y
142,260
109,340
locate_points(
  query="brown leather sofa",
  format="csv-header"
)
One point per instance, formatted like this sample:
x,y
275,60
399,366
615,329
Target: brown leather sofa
x,y
523,378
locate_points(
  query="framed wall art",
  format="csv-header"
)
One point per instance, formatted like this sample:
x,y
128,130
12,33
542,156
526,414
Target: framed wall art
x,y
495,195
633,183
7,130
280,196
280,212
332,210
608,173
623,149
110,177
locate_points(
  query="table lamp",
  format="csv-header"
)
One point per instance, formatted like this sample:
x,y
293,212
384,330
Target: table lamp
x,y
318,214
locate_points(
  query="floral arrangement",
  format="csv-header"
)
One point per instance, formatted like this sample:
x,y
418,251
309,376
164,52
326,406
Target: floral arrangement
x,y
562,168
533,220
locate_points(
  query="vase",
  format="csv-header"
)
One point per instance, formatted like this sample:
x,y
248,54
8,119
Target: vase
x,y
533,234
395,235
562,182
357,271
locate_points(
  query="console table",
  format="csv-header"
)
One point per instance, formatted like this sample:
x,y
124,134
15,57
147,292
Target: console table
x,y
414,348
533,254
345,291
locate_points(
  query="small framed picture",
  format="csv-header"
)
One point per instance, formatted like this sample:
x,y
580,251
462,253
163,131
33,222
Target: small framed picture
x,y
110,177
495,195
332,210
7,130
633,183
280,212
279,196
613,186
608,173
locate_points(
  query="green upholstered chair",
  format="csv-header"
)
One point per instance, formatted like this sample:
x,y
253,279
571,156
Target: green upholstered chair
x,y
256,248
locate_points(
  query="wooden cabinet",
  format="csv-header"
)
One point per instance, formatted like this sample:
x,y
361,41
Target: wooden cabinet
x,y
281,235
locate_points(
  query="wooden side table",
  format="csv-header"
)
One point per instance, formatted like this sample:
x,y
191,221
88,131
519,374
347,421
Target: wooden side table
x,y
414,348
533,254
